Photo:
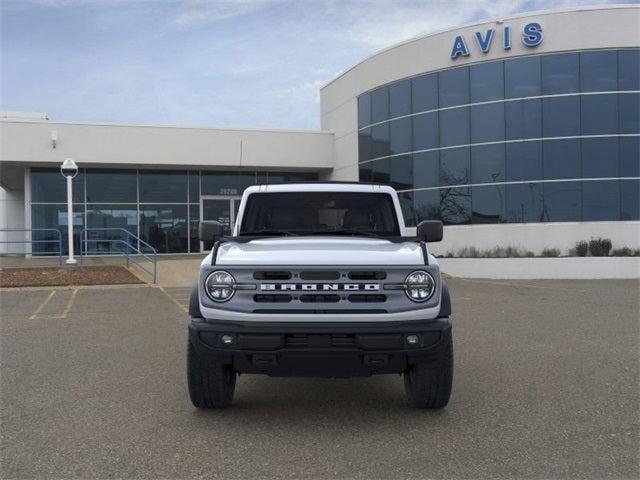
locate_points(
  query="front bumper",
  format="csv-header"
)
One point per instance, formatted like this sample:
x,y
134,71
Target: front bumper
x,y
320,349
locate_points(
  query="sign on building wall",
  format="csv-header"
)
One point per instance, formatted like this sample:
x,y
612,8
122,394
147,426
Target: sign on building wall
x,y
531,36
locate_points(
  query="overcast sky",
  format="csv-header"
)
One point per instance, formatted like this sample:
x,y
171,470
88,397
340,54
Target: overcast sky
x,y
244,63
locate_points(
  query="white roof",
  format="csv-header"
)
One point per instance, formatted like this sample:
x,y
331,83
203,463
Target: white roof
x,y
320,187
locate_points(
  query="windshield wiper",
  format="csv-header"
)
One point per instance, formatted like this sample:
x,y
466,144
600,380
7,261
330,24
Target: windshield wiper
x,y
257,233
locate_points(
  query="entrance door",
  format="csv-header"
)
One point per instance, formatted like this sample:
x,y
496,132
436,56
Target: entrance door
x,y
220,209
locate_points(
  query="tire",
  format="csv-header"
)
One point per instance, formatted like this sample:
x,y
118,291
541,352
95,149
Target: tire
x,y
211,384
428,384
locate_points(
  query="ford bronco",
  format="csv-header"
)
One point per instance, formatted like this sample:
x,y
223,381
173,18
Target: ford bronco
x,y
320,280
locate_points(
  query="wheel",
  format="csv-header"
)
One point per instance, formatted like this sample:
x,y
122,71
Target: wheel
x,y
428,384
211,384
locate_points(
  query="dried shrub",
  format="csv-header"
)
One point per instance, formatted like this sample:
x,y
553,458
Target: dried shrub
x,y
600,247
550,252
581,248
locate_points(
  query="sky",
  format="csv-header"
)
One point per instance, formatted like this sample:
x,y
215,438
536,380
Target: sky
x,y
227,63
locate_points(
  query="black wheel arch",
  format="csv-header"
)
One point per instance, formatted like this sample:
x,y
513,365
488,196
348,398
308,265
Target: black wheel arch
x,y
194,303
445,301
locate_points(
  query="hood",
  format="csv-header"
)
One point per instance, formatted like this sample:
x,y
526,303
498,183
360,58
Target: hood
x,y
319,251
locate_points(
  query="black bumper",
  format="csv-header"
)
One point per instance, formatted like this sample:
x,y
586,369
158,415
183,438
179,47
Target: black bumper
x,y
320,349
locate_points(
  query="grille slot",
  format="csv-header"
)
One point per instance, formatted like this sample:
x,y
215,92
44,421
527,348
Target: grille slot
x,y
319,275
301,340
367,275
318,310
364,298
272,275
319,298
272,298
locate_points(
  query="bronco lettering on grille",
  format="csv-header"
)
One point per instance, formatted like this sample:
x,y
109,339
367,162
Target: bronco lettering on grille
x,y
324,287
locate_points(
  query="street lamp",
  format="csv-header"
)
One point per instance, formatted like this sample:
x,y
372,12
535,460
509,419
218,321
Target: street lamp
x,y
69,169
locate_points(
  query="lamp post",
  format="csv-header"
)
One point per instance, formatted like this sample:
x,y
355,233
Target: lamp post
x,y
69,170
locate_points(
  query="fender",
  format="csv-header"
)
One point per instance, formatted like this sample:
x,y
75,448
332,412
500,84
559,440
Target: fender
x,y
445,301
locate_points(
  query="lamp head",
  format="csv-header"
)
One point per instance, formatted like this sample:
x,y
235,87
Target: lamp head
x,y
69,169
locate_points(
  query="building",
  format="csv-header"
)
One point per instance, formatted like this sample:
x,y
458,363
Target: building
x,y
521,131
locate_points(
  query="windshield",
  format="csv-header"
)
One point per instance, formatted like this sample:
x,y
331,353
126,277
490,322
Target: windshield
x,y
320,213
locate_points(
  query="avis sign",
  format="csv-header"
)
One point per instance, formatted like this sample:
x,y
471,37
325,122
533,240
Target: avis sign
x,y
531,37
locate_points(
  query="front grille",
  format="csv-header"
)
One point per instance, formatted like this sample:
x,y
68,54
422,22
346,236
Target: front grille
x,y
272,275
319,341
319,298
367,275
319,275
272,298
363,298
340,311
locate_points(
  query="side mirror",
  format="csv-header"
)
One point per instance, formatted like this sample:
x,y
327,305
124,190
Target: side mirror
x,y
429,230
210,232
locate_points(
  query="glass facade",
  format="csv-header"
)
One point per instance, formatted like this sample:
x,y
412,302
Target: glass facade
x,y
162,207
545,138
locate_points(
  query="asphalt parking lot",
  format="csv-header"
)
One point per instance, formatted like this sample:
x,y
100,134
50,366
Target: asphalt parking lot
x,y
546,386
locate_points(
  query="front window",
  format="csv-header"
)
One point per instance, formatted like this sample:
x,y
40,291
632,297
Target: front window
x,y
320,213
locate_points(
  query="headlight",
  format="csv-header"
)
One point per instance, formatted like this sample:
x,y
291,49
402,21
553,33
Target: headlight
x,y
419,286
220,286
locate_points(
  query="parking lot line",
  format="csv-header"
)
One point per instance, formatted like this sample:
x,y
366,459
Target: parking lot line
x,y
173,299
42,305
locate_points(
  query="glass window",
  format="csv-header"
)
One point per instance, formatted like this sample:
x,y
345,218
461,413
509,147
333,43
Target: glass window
x,y
454,127
600,157
400,133
380,104
194,222
163,186
455,205
400,98
453,86
455,166
364,172
262,178
194,186
488,204
426,204
364,110
401,172
522,77
560,73
630,156
49,186
54,216
599,114
365,147
523,161
630,200
165,227
629,69
426,169
561,159
562,202
599,71
424,93
487,123
380,171
380,141
291,177
117,186
600,200
524,203
629,113
487,164
561,116
115,218
523,119
487,81
406,204
425,131
226,183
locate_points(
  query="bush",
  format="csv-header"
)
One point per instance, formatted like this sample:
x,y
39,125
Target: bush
x,y
600,247
550,252
581,248
625,252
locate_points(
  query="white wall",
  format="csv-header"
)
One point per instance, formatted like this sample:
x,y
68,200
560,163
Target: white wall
x,y
11,217
536,236
29,141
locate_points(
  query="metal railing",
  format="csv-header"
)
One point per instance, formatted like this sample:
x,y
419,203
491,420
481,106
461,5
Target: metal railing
x,y
132,248
32,241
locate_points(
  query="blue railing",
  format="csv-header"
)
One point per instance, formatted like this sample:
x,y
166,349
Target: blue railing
x,y
32,241
130,246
